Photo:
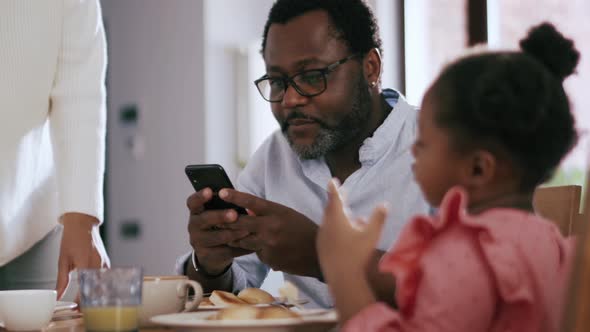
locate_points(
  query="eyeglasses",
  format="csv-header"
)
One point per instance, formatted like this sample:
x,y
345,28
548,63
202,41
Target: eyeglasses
x,y
308,83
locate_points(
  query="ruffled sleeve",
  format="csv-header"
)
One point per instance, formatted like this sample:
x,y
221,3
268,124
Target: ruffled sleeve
x,y
403,261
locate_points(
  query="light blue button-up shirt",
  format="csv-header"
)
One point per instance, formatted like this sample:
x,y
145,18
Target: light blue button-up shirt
x,y
277,174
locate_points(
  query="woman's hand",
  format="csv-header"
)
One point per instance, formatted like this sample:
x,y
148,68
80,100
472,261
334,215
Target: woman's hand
x,y
79,248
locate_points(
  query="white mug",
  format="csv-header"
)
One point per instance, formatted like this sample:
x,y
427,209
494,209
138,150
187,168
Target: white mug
x,y
166,295
27,309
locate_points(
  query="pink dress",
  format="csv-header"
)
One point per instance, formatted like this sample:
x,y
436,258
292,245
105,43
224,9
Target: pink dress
x,y
501,270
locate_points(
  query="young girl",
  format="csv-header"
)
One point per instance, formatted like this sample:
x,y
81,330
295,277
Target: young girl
x,y
492,127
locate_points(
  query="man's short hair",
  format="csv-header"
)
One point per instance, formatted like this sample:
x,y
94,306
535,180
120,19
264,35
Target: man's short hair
x,y
352,21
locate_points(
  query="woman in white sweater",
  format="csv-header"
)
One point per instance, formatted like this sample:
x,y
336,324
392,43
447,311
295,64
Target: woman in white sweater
x,y
52,137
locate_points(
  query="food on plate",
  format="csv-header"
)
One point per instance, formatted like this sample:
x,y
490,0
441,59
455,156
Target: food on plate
x,y
246,296
255,296
248,312
237,312
276,311
205,302
224,299
289,293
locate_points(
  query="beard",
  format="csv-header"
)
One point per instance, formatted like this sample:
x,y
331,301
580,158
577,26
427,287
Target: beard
x,y
332,137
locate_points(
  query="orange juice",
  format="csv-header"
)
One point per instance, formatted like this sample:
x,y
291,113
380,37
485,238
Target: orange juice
x,y
110,319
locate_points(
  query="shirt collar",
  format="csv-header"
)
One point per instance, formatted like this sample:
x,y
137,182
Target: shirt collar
x,y
387,134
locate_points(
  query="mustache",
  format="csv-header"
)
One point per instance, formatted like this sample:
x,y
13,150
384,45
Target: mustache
x,y
297,114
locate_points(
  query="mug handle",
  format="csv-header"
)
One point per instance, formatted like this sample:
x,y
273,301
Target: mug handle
x,y
198,290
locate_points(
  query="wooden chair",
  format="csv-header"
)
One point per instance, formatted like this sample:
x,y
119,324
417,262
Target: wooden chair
x,y
561,204
577,310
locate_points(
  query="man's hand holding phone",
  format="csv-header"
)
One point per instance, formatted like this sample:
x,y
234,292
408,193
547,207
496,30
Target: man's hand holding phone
x,y
209,234
283,238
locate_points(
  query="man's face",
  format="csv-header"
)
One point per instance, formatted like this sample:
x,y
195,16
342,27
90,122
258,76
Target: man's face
x,y
316,125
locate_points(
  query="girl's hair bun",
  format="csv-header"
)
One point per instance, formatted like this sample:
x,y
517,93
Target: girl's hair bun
x,y
552,49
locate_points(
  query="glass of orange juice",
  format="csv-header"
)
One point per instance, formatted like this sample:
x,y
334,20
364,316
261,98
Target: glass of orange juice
x,y
110,298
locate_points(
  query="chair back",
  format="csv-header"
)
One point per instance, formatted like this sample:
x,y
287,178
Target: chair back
x,y
560,204
577,309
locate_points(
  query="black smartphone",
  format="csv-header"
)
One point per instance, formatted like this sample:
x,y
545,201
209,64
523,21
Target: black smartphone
x,y
214,177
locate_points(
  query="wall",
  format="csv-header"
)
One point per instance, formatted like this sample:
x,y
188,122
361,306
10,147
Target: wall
x,y
229,25
156,62
223,41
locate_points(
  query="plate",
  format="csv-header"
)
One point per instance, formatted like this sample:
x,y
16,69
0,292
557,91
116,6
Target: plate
x,y
64,305
311,319
278,302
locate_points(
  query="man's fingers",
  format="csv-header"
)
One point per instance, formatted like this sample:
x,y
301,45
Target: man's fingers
x,y
211,219
251,224
237,252
251,243
220,253
216,238
196,201
255,204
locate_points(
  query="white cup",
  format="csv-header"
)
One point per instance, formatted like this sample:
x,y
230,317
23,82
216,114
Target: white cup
x,y
27,309
167,295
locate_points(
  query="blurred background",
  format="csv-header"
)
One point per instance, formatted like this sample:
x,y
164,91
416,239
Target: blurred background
x,y
180,92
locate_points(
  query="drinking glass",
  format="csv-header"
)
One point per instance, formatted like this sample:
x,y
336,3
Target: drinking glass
x,y
110,298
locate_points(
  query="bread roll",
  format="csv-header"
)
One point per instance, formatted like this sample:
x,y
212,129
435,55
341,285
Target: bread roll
x,y
225,299
256,296
205,302
247,312
236,312
275,312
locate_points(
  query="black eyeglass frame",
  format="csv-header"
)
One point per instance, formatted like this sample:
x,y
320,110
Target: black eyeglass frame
x,y
289,80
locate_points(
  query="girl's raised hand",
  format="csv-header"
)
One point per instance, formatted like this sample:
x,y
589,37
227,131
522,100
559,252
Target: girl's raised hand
x,y
345,247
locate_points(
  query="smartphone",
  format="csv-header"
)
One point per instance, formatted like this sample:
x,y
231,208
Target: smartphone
x,y
214,177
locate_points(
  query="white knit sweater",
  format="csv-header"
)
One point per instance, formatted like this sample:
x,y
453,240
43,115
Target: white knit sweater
x,y
52,117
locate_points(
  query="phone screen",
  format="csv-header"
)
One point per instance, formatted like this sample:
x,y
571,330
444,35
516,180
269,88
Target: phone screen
x,y
214,177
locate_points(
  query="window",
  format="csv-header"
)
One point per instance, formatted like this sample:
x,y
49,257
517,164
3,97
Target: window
x,y
509,21
435,35
436,32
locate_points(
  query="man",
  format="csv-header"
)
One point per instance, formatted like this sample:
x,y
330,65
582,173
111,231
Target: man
x,y
52,139
323,65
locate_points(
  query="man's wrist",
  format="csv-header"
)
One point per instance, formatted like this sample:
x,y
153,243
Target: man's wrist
x,y
223,281
194,262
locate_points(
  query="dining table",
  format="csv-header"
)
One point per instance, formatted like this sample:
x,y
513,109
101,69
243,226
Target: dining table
x,y
313,320
73,321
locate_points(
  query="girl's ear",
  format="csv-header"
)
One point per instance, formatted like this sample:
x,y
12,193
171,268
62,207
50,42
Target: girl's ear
x,y
482,168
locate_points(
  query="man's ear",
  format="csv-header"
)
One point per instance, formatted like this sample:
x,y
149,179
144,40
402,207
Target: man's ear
x,y
481,168
372,67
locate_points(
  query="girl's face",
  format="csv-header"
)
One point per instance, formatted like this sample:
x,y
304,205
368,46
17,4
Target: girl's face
x,y
437,166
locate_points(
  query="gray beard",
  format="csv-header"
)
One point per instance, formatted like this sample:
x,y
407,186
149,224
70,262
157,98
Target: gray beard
x,y
331,138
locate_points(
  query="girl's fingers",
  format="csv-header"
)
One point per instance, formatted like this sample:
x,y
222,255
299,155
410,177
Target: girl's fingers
x,y
375,225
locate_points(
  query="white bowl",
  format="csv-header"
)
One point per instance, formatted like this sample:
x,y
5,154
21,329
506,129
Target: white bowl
x,y
27,309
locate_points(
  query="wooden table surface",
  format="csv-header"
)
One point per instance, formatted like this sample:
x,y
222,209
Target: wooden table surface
x,y
72,321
